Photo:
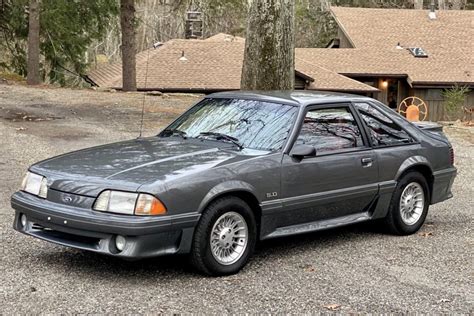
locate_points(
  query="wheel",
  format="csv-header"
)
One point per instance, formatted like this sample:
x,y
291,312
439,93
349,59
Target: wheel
x,y
409,205
224,238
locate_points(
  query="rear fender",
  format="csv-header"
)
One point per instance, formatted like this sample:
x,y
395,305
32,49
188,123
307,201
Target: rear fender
x,y
412,162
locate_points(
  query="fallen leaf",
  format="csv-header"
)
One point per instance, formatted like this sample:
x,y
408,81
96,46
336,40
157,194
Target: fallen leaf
x,y
444,300
332,307
425,234
308,268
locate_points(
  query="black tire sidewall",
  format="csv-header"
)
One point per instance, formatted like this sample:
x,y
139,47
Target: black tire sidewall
x,y
208,219
396,219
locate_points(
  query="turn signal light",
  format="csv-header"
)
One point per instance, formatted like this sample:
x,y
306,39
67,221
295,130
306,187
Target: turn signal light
x,y
149,205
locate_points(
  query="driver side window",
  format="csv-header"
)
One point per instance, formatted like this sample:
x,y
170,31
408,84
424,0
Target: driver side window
x,y
330,130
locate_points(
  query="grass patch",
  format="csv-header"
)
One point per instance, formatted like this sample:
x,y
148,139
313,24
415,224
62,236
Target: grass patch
x,y
10,76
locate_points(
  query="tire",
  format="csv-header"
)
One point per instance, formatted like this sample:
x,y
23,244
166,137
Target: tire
x,y
227,212
398,221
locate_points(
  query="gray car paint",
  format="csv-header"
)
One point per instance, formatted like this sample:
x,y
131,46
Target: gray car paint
x,y
289,195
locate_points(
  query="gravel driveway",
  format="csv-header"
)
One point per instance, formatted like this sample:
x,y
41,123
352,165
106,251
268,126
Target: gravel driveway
x,y
353,269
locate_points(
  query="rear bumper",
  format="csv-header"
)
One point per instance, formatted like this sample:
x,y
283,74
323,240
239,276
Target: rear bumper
x,y
95,231
442,183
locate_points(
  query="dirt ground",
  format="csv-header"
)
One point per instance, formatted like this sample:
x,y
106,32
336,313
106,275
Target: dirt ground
x,y
350,270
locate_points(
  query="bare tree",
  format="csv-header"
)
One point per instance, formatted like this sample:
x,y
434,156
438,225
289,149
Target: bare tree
x,y
456,4
418,4
451,4
269,59
33,75
127,23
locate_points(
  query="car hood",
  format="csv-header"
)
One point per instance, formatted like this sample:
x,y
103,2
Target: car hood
x,y
128,165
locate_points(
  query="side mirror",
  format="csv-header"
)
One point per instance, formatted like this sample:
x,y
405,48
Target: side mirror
x,y
301,150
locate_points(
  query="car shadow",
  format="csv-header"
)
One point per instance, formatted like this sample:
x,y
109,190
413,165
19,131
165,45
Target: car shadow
x,y
108,267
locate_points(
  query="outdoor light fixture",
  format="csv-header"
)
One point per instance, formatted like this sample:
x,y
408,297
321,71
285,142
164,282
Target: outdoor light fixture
x,y
384,84
183,58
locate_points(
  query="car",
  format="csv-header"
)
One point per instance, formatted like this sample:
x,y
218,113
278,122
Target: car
x,y
235,169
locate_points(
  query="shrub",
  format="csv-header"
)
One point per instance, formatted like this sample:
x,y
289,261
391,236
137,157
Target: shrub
x,y
454,98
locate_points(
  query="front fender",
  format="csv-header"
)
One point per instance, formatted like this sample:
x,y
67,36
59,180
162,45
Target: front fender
x,y
226,187
411,162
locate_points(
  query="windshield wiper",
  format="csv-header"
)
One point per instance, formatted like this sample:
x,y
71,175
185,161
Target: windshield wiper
x,y
170,132
226,137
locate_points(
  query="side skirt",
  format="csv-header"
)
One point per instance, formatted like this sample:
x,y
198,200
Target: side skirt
x,y
319,225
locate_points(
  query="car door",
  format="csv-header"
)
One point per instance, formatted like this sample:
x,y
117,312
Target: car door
x,y
341,179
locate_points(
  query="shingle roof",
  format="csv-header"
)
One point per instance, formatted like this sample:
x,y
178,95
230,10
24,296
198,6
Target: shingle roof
x,y
448,40
210,66
223,37
216,63
325,79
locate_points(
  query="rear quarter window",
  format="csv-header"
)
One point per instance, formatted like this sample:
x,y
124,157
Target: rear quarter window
x,y
382,129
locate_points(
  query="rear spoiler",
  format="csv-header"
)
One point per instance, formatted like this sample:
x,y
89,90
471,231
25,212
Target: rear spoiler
x,y
433,129
429,126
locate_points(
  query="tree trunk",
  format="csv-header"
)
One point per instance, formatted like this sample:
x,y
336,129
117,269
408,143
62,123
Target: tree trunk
x,y
269,61
127,23
33,76
456,4
418,4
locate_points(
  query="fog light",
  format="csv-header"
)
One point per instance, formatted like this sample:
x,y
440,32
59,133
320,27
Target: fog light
x,y
23,220
120,242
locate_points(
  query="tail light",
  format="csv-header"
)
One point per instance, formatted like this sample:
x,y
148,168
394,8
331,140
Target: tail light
x,y
451,155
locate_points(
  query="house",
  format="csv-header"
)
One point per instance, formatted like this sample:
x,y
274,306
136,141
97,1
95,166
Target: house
x,y
402,52
213,64
388,54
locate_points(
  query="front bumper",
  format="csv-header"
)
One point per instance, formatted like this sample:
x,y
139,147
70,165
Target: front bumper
x,y
96,231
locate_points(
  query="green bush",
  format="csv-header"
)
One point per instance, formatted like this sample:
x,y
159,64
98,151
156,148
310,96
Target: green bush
x,y
454,98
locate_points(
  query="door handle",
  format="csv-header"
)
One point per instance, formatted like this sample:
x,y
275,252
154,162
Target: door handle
x,y
367,162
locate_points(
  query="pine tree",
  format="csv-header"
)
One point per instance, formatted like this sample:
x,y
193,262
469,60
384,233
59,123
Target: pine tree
x,y
67,29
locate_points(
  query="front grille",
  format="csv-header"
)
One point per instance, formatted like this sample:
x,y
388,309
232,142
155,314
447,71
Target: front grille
x,y
63,237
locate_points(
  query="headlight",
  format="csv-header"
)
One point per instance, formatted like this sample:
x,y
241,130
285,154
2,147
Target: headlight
x,y
129,203
35,184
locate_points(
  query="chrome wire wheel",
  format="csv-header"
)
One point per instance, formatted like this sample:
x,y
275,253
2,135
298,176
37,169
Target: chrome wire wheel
x,y
229,237
412,203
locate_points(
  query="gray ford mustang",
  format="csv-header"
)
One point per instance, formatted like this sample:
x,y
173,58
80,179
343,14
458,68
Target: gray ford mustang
x,y
236,168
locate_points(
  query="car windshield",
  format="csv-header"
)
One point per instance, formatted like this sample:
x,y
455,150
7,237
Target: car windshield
x,y
254,124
